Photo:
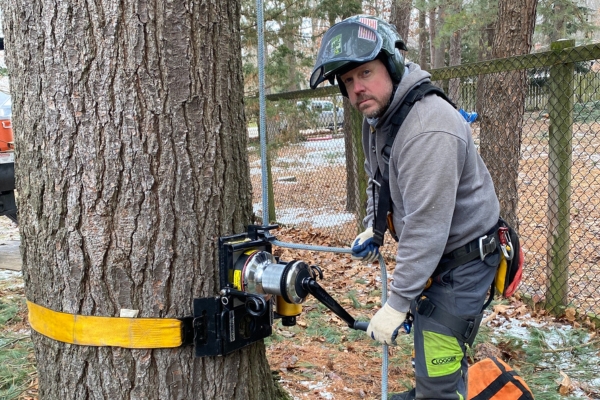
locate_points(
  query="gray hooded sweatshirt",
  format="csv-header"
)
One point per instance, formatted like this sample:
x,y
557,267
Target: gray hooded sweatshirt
x,y
442,193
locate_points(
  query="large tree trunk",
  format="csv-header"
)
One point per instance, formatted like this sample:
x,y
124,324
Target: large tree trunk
x,y
131,155
502,119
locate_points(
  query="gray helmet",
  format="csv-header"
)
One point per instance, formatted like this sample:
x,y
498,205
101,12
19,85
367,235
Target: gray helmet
x,y
354,41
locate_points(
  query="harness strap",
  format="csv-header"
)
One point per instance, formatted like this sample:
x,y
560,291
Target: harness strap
x,y
384,204
477,248
464,329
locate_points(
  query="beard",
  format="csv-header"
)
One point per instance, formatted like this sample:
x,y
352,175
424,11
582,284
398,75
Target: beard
x,y
381,103
375,112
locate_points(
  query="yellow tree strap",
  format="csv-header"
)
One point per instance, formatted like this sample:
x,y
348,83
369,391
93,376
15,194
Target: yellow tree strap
x,y
133,333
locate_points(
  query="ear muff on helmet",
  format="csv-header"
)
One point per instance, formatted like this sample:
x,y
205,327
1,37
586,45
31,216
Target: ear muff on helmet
x,y
395,63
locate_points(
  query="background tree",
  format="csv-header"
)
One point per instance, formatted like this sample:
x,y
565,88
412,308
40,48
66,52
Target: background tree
x,y
562,19
423,40
400,16
131,157
502,113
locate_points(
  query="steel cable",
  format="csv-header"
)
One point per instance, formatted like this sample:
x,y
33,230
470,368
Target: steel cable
x,y
345,250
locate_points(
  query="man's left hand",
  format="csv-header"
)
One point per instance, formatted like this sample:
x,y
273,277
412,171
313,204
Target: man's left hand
x,y
386,324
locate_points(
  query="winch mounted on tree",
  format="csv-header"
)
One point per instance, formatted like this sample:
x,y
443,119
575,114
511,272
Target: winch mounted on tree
x,y
256,289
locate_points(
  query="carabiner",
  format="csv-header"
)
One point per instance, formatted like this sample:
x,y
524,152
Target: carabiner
x,y
505,243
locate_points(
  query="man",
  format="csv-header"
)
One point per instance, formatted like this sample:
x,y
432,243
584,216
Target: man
x,y
444,207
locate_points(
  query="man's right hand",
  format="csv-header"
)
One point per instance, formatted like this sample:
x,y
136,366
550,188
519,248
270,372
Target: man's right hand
x,y
363,247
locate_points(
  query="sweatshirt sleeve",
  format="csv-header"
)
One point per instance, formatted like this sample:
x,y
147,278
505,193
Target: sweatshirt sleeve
x,y
426,174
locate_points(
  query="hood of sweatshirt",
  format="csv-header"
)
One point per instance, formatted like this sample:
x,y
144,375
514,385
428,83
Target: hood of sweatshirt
x,y
413,76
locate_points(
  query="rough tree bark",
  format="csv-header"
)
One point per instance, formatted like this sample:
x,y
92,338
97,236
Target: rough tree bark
x,y
423,38
455,56
400,17
502,114
437,44
131,154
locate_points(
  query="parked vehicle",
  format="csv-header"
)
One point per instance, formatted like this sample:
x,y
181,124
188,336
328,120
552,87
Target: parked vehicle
x,y
323,113
8,205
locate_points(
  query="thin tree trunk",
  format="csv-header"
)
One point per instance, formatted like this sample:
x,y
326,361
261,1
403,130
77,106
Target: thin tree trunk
x,y
560,27
455,57
486,42
439,57
423,38
290,29
131,154
400,17
432,36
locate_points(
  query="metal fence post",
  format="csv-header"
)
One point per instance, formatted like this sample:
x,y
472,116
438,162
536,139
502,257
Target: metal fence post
x,y
560,109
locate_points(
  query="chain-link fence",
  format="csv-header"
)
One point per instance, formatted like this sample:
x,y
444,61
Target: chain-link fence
x,y
538,130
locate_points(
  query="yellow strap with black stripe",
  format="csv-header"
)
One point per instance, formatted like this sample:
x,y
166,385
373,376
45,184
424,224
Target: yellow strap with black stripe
x,y
133,333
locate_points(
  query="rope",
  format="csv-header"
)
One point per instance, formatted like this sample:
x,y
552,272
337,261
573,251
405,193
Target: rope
x,y
384,360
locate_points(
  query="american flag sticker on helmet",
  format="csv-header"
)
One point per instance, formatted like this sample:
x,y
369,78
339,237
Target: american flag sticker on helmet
x,y
367,34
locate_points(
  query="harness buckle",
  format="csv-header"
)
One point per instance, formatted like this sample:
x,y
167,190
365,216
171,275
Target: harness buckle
x,y
488,247
481,253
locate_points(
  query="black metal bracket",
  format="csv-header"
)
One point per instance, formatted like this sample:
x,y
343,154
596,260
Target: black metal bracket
x,y
229,322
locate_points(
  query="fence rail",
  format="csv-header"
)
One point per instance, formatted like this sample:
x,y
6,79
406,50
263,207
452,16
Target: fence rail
x,y
315,166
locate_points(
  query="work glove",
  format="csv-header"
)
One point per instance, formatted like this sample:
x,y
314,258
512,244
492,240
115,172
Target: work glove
x,y
386,324
363,247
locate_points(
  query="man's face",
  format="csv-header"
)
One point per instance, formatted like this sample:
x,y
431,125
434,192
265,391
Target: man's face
x,y
369,88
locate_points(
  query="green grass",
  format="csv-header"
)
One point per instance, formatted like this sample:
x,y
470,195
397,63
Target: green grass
x,y
9,307
15,365
16,351
540,352
355,302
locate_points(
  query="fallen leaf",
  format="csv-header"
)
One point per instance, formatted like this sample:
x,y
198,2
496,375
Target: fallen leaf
x,y
501,308
522,310
565,386
489,318
570,314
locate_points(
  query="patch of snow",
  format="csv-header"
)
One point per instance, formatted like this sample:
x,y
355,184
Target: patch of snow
x,y
321,218
8,274
317,386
